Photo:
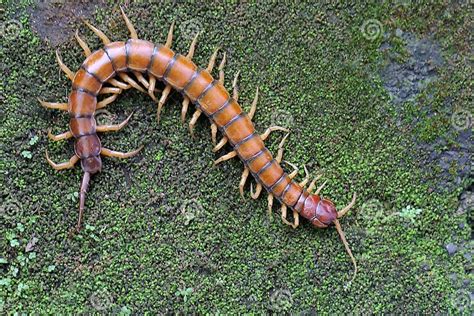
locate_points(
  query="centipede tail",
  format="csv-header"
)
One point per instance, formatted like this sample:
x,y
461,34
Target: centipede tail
x,y
149,63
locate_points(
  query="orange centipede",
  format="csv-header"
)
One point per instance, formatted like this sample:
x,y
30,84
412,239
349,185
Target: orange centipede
x,y
142,58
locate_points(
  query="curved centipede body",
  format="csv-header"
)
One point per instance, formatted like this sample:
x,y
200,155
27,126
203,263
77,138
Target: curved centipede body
x,y
98,75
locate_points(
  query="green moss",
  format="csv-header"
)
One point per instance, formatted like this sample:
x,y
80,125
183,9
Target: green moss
x,y
167,231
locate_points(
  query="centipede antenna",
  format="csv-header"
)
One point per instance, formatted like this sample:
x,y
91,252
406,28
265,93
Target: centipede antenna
x,y
342,212
346,245
82,195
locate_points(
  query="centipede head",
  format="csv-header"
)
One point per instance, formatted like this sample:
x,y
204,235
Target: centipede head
x,y
322,213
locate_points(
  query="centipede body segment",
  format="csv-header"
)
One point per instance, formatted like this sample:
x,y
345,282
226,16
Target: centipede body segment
x,y
109,71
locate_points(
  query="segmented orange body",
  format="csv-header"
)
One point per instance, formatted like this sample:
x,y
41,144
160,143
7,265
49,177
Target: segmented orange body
x,y
159,62
209,95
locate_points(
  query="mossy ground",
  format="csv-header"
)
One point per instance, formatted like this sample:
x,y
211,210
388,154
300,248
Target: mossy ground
x,y
167,232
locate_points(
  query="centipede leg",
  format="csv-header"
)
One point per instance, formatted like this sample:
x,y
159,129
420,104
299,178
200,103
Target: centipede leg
x,y
65,135
131,82
228,156
257,192
141,79
83,44
106,101
64,165
167,89
53,105
117,154
258,189
221,80
312,185
169,38
119,84
151,87
306,178
98,32
296,215
112,90
113,127
133,32
270,204
243,179
190,55
106,41
284,214
64,68
253,107
267,132
320,188
198,112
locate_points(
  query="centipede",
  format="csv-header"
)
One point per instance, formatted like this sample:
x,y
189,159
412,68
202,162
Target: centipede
x,y
140,64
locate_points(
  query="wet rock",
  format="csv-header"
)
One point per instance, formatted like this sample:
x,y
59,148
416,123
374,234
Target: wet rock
x,y
420,68
451,248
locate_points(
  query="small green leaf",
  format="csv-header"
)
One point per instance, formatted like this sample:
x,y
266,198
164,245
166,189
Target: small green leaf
x,y
20,227
14,243
27,154
21,259
3,260
51,268
22,286
124,311
33,140
5,281
14,271
90,227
